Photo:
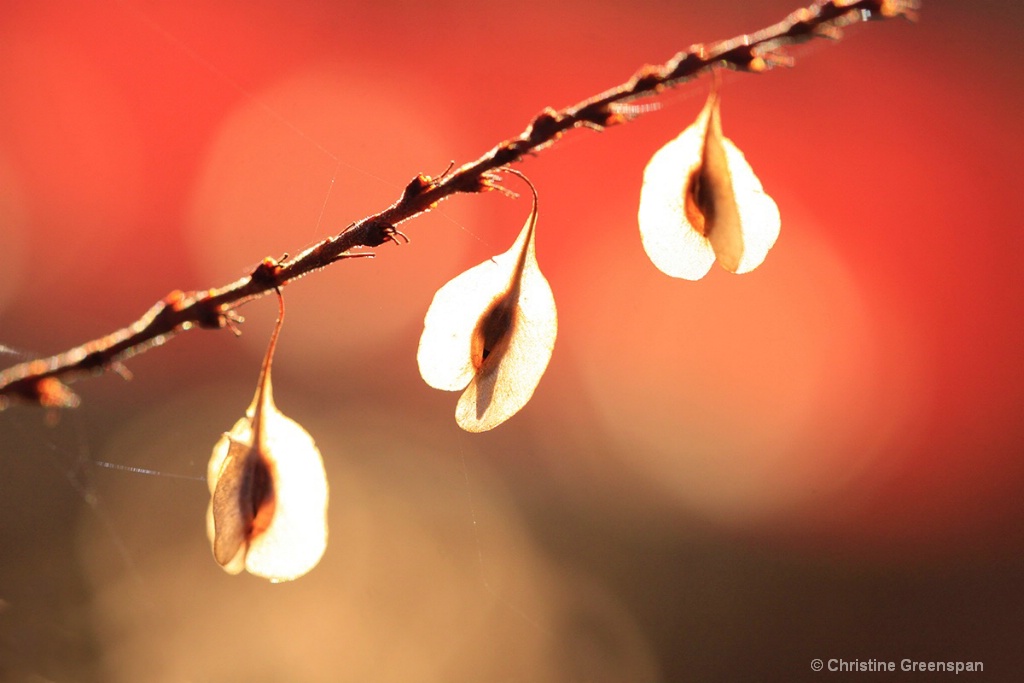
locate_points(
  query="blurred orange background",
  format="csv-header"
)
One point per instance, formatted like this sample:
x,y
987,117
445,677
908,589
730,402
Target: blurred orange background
x,y
717,480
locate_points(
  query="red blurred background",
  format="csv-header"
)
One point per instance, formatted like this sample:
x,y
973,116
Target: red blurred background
x,y
715,481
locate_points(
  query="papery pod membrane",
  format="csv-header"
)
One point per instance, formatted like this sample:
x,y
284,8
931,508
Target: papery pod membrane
x,y
701,202
268,507
491,330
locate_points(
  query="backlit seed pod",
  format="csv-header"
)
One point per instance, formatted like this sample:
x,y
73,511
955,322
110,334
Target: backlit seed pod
x,y
701,202
268,507
491,330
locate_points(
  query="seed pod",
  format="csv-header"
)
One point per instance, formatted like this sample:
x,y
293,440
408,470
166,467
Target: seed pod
x,y
491,330
701,202
268,507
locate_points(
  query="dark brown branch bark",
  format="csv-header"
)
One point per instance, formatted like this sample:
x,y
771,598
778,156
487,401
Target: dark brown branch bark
x,y
43,381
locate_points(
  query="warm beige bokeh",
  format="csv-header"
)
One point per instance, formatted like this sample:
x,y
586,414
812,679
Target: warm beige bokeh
x,y
426,577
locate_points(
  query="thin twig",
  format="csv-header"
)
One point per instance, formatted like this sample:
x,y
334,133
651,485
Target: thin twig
x,y
43,381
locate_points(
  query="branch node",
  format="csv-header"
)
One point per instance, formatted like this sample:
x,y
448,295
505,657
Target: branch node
x,y
829,31
377,233
648,78
489,180
174,300
266,273
420,184
210,317
687,64
92,361
908,9
546,126
50,392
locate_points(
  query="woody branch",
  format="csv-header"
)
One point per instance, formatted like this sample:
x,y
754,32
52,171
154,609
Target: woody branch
x,y
43,381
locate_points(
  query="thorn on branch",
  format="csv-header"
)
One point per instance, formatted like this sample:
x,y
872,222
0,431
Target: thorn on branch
x,y
769,58
232,320
121,370
354,254
451,165
829,31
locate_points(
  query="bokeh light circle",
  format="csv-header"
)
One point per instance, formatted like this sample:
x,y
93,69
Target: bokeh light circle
x,y
298,162
740,397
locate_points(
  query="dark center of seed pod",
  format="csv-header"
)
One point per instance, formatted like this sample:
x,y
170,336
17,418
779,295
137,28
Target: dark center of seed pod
x,y
494,326
698,202
260,497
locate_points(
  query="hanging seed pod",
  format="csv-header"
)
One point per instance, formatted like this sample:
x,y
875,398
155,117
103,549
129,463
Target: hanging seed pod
x,y
701,202
268,507
491,330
